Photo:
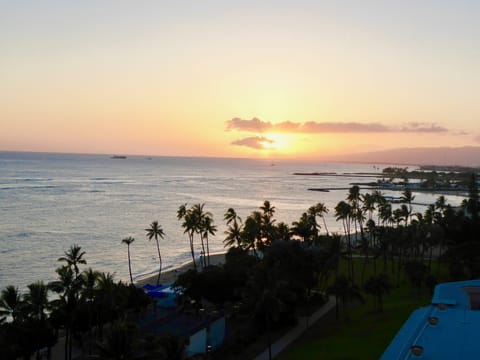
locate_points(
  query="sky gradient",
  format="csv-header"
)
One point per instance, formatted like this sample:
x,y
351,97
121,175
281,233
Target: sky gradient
x,y
295,79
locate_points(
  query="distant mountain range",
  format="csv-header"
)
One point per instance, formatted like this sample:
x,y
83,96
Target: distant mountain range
x,y
463,156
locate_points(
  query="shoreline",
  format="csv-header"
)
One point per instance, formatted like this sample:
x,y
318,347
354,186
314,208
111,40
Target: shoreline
x,y
169,276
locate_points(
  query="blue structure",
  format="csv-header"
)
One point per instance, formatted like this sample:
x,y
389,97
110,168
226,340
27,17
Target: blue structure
x,y
447,329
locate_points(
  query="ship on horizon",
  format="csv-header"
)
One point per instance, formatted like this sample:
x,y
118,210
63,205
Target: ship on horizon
x,y
118,157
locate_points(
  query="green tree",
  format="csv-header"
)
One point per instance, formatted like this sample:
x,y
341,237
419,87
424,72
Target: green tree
x,y
155,231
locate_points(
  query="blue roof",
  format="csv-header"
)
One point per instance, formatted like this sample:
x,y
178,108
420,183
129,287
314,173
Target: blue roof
x,y
455,334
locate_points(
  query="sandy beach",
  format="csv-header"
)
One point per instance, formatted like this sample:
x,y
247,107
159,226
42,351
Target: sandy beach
x,y
170,275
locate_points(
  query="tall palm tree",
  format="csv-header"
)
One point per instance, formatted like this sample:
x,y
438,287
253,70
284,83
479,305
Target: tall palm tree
x,y
343,211
68,288
73,257
267,221
198,215
35,305
155,231
88,283
321,211
10,302
407,198
129,240
190,225
208,229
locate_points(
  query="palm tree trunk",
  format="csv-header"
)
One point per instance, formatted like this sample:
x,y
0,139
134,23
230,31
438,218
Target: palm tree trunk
x,y
192,251
325,225
269,336
208,252
204,260
159,261
129,264
67,336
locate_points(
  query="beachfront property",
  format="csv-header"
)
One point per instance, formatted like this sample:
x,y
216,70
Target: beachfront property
x,y
447,329
204,329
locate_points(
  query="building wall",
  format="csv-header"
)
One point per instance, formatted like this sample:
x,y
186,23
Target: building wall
x,y
198,343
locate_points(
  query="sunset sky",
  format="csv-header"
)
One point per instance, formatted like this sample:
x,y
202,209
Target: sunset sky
x,y
294,79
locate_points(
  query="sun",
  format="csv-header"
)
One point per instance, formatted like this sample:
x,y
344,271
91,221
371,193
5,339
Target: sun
x,y
281,143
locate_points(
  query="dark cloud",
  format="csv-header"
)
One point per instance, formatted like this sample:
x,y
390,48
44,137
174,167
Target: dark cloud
x,y
254,142
256,125
423,128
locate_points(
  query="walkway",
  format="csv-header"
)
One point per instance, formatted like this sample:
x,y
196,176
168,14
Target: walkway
x,y
303,324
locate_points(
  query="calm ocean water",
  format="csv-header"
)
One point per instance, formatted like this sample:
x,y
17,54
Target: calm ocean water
x,y
51,201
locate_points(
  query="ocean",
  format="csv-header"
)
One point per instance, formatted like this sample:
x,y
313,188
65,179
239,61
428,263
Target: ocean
x,y
50,201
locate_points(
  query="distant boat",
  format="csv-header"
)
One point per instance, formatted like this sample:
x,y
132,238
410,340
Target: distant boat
x,y
118,157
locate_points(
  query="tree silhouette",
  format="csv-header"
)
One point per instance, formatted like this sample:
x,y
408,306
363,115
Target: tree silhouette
x,y
128,241
73,257
378,286
155,231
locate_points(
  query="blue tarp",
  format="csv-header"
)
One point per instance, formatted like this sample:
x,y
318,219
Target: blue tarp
x,y
149,287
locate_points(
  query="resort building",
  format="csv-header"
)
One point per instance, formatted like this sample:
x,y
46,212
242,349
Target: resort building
x,y
204,328
447,329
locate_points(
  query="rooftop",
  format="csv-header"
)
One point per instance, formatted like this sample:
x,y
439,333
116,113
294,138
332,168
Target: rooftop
x,y
447,329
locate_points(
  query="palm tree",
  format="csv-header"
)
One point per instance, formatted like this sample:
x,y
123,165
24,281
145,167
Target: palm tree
x,y
35,306
231,216
155,231
128,241
67,286
73,257
88,283
252,232
321,210
36,300
304,227
282,231
407,198
345,291
270,305
267,221
190,226
10,302
208,229
378,286
234,228
234,235
343,211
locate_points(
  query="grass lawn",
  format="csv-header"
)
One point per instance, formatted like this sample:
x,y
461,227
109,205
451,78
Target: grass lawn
x,y
365,335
